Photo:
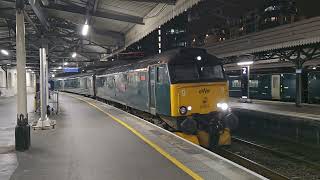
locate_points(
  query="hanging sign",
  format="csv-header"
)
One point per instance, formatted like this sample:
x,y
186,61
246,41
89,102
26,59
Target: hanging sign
x,y
70,70
244,81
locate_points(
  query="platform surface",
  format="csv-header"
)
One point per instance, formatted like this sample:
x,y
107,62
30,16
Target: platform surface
x,y
8,118
90,144
305,112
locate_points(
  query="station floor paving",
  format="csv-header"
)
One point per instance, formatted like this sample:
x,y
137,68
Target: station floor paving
x,y
87,144
8,118
307,112
90,143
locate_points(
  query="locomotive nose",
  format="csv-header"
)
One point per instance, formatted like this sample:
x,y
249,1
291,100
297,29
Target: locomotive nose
x,y
198,98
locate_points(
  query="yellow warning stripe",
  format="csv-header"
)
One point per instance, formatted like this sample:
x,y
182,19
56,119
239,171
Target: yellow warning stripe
x,y
146,140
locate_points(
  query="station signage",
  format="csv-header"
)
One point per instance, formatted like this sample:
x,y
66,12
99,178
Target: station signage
x,y
70,70
244,80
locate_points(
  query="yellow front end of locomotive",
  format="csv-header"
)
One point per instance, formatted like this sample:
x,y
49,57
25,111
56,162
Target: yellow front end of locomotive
x,y
198,98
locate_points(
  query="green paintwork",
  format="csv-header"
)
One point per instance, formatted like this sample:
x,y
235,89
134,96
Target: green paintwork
x,y
314,87
288,87
260,86
127,88
163,91
163,99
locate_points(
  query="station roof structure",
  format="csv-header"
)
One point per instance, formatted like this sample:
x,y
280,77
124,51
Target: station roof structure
x,y
113,26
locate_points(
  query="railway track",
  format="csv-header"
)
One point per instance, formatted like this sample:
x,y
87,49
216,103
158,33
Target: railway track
x,y
258,168
270,162
277,153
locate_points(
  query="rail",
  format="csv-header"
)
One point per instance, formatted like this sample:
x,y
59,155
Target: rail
x,y
275,152
260,169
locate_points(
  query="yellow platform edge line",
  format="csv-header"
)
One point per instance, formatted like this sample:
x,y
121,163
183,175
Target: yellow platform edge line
x,y
146,140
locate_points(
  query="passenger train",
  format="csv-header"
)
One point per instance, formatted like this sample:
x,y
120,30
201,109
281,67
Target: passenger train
x,y
186,88
278,86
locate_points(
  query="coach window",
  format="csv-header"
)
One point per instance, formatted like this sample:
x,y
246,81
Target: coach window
x,y
110,82
78,83
236,83
124,78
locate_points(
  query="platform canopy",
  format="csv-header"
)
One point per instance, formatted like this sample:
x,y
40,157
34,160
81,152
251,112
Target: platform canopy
x,y
113,25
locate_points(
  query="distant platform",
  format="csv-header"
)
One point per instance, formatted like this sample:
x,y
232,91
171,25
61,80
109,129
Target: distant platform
x,y
309,113
93,140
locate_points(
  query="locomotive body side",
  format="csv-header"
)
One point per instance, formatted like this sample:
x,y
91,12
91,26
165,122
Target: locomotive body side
x,y
129,88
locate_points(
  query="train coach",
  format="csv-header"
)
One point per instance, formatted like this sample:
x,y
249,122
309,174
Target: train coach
x,y
185,88
281,87
82,84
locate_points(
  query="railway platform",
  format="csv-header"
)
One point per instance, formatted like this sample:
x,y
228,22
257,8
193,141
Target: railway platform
x,y
288,111
93,140
280,120
8,160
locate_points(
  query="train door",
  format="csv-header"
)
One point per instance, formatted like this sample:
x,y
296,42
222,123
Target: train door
x,y
275,87
152,89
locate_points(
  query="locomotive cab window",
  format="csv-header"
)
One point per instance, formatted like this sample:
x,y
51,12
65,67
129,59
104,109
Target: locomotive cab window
x,y
211,72
194,72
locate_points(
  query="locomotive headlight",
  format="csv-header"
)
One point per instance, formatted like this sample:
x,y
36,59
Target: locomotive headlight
x,y
183,110
223,106
189,108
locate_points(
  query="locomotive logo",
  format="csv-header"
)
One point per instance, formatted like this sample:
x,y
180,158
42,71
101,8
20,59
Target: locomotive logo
x,y
204,91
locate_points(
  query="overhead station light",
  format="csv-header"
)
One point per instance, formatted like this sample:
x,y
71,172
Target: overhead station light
x,y
59,67
66,63
245,63
74,55
85,29
4,52
53,75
